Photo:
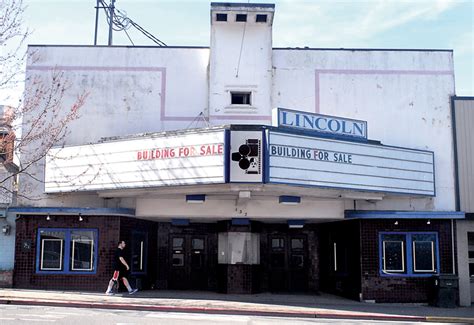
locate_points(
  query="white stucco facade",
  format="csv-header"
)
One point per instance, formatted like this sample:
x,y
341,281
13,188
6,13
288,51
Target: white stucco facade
x,y
404,95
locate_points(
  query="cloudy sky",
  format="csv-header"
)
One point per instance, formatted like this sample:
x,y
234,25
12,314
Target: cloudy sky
x,y
419,24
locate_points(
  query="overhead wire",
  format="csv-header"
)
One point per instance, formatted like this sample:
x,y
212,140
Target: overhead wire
x,y
120,22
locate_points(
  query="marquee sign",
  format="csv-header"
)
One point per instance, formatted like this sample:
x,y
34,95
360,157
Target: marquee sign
x,y
176,159
215,156
303,160
317,123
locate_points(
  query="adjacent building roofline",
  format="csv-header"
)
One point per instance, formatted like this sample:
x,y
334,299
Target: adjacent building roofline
x,y
119,46
242,4
358,49
275,48
463,97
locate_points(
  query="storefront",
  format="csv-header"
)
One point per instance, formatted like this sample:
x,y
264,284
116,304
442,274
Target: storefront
x,y
242,209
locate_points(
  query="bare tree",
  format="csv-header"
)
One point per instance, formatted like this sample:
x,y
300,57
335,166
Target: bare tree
x,y
40,120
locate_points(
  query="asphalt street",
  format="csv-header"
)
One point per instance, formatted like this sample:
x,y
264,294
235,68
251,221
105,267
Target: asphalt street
x,y
10,314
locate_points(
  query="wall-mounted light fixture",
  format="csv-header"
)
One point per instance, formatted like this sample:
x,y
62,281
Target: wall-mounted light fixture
x,y
48,218
396,223
195,198
240,221
428,222
6,230
289,200
296,224
80,218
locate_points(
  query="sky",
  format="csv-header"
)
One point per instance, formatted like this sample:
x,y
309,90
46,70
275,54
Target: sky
x,y
393,24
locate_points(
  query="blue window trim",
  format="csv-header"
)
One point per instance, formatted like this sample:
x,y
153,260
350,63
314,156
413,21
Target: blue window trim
x,y
408,255
145,253
67,249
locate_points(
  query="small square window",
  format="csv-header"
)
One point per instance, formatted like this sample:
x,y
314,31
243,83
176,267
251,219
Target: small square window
x,y
261,19
198,244
278,243
221,17
240,98
297,243
178,243
241,17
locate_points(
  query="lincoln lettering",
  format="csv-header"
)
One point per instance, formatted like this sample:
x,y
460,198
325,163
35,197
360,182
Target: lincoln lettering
x,y
322,123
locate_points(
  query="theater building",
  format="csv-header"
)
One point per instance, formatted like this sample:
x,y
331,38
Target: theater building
x,y
244,168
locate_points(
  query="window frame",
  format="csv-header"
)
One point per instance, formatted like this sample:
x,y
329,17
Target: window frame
x,y
384,260
61,262
67,253
433,258
92,255
408,253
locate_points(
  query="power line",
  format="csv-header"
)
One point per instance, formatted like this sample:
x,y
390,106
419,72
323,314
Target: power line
x,y
120,22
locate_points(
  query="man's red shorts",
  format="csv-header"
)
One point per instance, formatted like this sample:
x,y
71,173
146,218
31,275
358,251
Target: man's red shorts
x,y
116,275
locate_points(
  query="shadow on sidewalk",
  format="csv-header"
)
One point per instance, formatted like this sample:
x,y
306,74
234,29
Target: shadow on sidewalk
x,y
323,301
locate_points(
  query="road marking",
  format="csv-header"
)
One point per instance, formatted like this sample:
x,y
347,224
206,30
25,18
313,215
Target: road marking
x,y
63,313
199,317
41,316
38,320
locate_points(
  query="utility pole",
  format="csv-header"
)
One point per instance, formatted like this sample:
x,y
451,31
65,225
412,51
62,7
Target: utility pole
x,y
96,21
111,18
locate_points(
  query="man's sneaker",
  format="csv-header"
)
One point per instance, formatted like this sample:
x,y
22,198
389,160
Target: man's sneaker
x,y
109,293
134,291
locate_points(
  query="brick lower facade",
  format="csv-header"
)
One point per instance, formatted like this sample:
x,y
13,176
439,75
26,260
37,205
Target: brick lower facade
x,y
357,275
110,229
400,289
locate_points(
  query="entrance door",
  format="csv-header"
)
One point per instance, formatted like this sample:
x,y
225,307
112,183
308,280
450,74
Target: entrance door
x,y
288,263
188,268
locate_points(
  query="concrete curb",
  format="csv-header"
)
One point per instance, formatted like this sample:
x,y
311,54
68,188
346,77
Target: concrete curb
x,y
456,320
224,311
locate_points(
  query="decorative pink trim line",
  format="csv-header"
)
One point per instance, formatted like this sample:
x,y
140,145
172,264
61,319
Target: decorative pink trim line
x,y
92,68
162,70
241,117
318,73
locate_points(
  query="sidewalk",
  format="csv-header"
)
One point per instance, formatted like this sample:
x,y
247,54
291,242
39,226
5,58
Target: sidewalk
x,y
266,304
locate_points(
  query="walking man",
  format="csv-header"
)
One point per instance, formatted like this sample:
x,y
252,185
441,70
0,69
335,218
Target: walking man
x,y
120,269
